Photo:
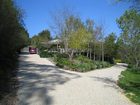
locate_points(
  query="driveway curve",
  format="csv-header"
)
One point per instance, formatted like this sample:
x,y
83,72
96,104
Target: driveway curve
x,y
42,83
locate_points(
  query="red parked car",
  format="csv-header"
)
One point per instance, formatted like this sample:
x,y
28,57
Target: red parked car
x,y
32,50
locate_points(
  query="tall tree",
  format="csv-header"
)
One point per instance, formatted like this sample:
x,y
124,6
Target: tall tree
x,y
12,37
78,41
77,35
135,4
99,35
110,47
42,38
89,26
130,37
59,24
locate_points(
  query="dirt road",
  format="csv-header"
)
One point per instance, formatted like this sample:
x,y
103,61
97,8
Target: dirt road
x,y
42,83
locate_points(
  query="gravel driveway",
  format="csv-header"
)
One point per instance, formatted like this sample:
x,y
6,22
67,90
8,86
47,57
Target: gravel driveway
x,y
42,83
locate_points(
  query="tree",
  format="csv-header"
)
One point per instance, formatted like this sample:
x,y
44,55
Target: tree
x,y
135,3
89,26
42,38
12,37
110,47
75,34
78,40
59,24
35,41
99,35
130,37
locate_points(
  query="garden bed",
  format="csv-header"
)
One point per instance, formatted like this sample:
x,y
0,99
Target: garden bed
x,y
78,63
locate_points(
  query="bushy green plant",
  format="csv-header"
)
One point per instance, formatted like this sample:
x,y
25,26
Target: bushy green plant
x,y
79,63
117,60
45,54
105,64
83,59
101,64
63,62
98,64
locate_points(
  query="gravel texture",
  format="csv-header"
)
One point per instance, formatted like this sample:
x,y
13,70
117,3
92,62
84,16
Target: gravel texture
x,y
42,83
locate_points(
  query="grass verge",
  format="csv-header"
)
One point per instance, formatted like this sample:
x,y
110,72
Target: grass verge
x,y
130,82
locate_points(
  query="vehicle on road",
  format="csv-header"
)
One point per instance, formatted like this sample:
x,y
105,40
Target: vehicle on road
x,y
32,50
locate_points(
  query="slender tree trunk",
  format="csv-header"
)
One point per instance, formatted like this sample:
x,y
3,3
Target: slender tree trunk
x,y
137,63
90,54
87,53
102,51
94,56
71,55
94,53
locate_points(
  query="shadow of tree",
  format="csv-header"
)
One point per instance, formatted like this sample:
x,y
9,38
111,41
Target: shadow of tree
x,y
108,82
36,80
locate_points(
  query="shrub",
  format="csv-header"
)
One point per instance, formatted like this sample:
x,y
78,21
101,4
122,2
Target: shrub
x,y
98,64
83,59
101,64
63,62
63,55
117,60
45,54
105,64
79,63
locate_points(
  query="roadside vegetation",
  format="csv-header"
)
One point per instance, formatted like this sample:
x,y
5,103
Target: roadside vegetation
x,y
84,44
130,82
129,50
86,47
79,63
13,37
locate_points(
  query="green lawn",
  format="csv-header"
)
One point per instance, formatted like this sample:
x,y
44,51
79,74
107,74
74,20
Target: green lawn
x,y
130,82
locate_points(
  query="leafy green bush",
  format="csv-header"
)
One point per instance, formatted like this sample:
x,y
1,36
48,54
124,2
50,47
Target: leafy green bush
x,y
105,64
79,63
63,55
117,60
98,64
83,59
130,82
63,62
45,54
101,64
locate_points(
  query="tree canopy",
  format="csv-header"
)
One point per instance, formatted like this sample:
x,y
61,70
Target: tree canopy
x,y
13,37
130,37
43,37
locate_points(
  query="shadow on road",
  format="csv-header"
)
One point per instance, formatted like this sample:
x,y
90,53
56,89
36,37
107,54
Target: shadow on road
x,y
36,80
107,82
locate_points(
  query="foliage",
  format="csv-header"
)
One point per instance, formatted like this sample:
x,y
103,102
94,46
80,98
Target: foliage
x,y
42,38
74,31
83,59
117,60
110,46
129,40
79,40
81,64
135,4
13,37
46,54
130,82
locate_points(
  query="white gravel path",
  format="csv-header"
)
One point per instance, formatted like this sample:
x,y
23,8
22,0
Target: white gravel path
x,y
41,83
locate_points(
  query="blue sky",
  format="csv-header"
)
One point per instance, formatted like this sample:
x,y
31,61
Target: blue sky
x,y
37,15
